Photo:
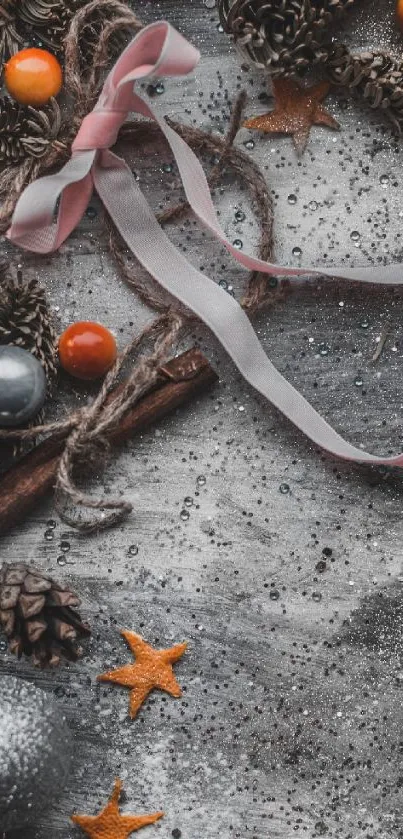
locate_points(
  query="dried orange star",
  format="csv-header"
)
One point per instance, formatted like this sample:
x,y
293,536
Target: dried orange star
x,y
152,669
110,824
296,110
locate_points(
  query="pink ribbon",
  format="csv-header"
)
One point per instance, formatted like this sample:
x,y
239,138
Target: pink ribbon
x,y
158,51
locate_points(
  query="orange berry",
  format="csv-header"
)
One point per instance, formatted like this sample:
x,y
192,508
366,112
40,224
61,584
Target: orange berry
x,y
399,13
33,76
87,350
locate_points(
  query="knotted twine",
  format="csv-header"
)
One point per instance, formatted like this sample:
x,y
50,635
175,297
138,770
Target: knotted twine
x,y
88,427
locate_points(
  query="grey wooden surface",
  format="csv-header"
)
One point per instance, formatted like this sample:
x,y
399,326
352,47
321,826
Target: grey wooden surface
x,y
290,721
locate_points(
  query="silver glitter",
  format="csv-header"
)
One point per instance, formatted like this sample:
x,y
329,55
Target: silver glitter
x,y
35,752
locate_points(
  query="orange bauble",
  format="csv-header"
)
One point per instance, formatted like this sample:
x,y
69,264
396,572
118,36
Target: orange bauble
x,y
87,350
399,13
33,76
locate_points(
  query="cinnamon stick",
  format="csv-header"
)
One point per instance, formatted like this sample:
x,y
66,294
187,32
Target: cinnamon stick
x,y
26,483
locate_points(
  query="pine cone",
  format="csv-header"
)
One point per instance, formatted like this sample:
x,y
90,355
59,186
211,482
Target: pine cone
x,y
25,320
39,616
25,131
376,77
47,19
11,39
286,36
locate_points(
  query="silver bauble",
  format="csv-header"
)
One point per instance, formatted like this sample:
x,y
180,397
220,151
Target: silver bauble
x,y
35,751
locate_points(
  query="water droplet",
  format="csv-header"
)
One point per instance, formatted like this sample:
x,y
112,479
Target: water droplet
x,y
316,596
238,244
156,89
61,560
273,282
313,205
59,691
355,236
274,594
49,535
133,550
201,480
220,27
321,566
188,501
249,144
239,216
297,252
358,381
284,489
223,284
167,168
364,324
64,546
51,524
384,180
184,514
323,349
3,645
91,212
292,199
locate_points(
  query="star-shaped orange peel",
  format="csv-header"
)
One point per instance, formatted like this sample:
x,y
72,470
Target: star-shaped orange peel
x,y
110,823
296,110
152,669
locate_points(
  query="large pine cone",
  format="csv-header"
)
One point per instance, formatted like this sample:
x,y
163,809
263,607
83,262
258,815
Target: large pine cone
x,y
286,36
39,616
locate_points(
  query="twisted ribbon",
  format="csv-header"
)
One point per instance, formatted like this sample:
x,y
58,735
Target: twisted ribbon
x,y
40,225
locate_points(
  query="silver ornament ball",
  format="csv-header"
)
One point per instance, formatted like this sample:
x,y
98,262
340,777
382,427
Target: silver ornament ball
x,y
22,386
35,752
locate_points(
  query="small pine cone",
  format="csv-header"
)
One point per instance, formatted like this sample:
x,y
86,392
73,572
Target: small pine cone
x,y
39,617
26,131
25,321
375,77
284,36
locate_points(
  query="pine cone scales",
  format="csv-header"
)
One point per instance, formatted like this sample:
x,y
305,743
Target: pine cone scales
x,y
25,321
375,76
39,616
286,36
25,131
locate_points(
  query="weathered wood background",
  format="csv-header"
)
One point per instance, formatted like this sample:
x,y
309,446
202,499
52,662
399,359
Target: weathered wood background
x,y
291,718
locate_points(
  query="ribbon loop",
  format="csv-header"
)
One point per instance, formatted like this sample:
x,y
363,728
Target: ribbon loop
x,y
160,50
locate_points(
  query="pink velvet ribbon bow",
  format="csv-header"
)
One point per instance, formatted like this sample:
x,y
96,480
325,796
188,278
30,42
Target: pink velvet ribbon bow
x,y
40,225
